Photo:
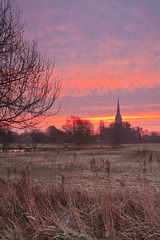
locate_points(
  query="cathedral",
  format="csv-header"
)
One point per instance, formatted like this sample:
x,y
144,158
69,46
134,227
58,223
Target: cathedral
x,y
118,118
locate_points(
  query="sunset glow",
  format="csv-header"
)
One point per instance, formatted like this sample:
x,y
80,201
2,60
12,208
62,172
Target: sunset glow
x,y
102,50
148,121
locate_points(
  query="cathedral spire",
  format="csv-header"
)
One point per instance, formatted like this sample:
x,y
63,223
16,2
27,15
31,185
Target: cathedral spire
x,y
118,118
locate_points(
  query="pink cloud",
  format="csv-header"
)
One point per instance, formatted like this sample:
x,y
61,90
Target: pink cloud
x,y
81,80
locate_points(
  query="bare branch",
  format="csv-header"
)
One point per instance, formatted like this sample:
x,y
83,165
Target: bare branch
x,y
27,87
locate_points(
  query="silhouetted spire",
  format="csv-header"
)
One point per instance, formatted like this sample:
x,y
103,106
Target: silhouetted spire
x,y
118,118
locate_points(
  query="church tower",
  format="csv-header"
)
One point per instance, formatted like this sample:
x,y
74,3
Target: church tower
x,y
118,118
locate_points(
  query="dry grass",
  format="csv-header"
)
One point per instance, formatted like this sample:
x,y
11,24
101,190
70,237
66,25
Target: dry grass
x,y
35,212
119,168
110,194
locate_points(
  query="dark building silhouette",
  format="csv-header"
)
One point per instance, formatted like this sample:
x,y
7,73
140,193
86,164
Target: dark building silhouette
x,y
118,118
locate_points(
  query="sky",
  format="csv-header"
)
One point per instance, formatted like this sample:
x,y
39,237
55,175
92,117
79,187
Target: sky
x,y
102,50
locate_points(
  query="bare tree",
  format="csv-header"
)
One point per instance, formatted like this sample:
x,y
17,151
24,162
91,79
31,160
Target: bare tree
x,y
80,131
102,130
27,87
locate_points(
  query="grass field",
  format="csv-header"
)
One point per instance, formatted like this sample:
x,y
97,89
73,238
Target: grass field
x,y
87,194
89,168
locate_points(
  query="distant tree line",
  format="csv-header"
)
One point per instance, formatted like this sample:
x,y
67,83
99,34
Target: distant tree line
x,y
81,132
116,134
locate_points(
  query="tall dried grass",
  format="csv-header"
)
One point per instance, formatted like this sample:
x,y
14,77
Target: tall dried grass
x,y
41,213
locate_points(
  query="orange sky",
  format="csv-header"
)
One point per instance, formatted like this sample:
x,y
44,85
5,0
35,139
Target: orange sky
x,y
102,50
149,121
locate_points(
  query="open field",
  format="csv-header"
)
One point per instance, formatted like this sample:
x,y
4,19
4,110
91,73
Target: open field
x,y
91,194
123,167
